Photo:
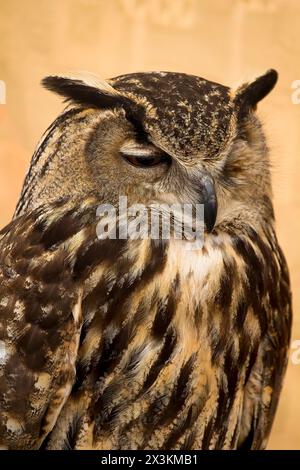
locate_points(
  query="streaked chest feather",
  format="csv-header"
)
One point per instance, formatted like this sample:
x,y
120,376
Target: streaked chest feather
x,y
147,369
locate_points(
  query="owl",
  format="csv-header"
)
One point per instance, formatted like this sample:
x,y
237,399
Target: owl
x,y
143,343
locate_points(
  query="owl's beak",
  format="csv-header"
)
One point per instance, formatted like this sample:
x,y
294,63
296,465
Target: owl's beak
x,y
209,200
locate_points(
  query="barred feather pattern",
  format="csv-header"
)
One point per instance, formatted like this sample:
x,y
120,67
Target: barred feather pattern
x,y
117,344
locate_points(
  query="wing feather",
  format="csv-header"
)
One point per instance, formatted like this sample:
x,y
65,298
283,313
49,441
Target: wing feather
x,y
40,324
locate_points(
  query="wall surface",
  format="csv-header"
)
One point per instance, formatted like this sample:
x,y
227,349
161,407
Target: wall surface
x,y
227,41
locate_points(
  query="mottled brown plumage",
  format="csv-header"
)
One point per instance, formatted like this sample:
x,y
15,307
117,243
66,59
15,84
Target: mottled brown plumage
x,y
143,344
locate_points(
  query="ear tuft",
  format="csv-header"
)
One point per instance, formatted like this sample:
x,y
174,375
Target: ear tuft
x,y
84,89
249,94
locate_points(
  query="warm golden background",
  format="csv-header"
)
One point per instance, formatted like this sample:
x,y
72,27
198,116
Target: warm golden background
x,y
227,41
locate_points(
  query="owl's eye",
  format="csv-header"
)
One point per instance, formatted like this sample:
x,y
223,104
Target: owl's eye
x,y
143,155
139,160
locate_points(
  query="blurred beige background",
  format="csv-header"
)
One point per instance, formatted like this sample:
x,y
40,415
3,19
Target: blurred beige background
x,y
227,41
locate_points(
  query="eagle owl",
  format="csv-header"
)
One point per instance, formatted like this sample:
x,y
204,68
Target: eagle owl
x,y
144,344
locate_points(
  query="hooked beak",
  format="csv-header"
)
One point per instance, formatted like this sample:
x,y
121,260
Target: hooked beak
x,y
209,200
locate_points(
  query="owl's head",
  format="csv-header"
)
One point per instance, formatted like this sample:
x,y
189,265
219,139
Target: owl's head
x,y
156,137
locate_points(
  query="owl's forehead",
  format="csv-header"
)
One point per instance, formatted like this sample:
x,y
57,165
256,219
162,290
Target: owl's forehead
x,y
185,114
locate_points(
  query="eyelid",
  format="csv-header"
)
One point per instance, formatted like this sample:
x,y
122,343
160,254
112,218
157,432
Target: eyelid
x,y
136,149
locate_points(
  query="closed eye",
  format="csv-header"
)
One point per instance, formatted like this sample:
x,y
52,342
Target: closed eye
x,y
143,155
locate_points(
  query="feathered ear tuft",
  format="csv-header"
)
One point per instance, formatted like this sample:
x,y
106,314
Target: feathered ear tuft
x,y
85,89
249,94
